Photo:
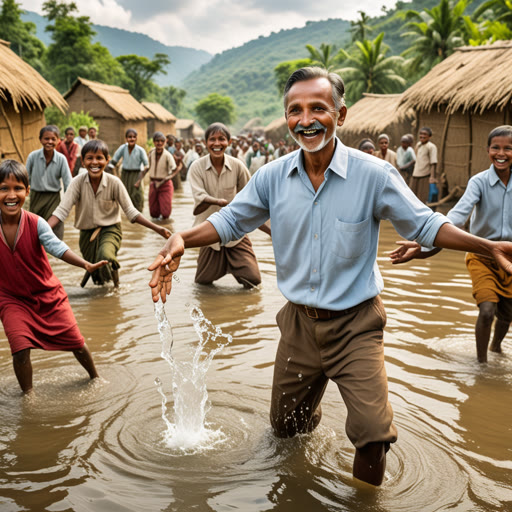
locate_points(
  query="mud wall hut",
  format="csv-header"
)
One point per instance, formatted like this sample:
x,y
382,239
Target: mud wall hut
x,y
374,114
462,99
24,94
114,109
163,121
188,129
277,130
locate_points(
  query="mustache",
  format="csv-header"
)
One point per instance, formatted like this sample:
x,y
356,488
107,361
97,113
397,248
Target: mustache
x,y
317,125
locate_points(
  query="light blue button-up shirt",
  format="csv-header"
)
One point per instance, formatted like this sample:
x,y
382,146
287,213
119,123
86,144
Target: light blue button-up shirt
x,y
491,203
131,161
46,178
325,242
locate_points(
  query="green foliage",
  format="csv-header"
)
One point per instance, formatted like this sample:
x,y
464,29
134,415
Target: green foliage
x,y
367,69
477,34
434,33
21,35
75,119
140,72
360,28
497,10
170,97
72,53
215,108
283,71
325,56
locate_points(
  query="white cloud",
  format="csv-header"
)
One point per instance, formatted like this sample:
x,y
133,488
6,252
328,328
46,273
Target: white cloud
x,y
214,25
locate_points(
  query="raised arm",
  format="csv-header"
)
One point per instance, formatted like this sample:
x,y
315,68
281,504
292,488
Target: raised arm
x,y
168,259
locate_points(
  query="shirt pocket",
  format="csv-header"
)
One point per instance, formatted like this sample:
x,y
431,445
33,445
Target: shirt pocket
x,y
107,207
351,240
229,193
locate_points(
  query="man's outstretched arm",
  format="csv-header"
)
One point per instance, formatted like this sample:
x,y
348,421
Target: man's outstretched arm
x,y
168,259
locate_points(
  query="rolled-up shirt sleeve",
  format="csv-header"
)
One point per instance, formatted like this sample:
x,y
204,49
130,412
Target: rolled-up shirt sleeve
x,y
49,240
411,218
248,210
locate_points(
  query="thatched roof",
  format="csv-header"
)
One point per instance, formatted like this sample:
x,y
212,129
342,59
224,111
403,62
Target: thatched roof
x,y
160,113
473,78
23,85
118,99
184,124
277,129
374,113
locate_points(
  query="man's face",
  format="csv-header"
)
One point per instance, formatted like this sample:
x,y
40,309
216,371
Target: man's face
x,y
424,137
92,133
256,147
311,115
70,136
216,144
82,133
170,141
199,149
178,144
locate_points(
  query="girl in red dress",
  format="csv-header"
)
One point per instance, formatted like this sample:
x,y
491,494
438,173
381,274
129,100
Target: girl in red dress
x,y
34,308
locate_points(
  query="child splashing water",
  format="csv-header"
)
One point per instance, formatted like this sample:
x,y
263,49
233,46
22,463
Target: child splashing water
x,y
34,307
488,198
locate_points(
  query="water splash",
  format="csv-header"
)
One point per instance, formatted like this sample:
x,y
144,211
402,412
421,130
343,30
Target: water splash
x,y
190,432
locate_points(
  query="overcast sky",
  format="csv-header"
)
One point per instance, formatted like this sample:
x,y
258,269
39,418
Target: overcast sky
x,y
214,25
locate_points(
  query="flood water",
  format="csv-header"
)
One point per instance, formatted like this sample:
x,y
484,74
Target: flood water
x,y
80,446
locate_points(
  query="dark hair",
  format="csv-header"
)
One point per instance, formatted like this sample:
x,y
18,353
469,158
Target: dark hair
x,y
69,128
93,146
428,130
158,136
217,127
500,131
50,128
15,169
130,130
310,73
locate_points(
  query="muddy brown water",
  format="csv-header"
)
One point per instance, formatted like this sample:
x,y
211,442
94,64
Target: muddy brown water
x,y
82,447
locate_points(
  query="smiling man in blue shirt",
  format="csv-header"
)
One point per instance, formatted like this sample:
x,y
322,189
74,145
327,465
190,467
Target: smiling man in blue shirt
x,y
325,202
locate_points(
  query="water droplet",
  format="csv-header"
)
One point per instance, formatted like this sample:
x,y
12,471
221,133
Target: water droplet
x,y
176,278
289,359
309,387
284,393
294,399
158,382
299,375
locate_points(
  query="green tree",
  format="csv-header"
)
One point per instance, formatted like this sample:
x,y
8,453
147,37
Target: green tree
x,y
477,34
215,108
325,56
284,69
140,72
435,33
367,69
170,97
498,10
72,53
360,28
21,34
75,119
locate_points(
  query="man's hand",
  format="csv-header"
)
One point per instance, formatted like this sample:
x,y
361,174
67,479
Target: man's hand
x,y
222,202
137,184
164,232
502,253
91,267
406,252
164,266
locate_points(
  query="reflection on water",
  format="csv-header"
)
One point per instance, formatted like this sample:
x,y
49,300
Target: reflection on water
x,y
98,447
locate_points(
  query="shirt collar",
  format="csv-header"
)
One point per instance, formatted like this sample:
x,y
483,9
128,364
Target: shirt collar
x,y
493,176
41,154
227,164
103,182
338,163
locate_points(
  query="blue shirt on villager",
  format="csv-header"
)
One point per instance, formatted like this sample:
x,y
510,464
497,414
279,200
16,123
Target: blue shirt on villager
x,y
325,243
131,161
491,203
47,178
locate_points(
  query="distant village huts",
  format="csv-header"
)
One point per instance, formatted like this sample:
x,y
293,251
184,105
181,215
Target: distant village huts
x,y
164,121
24,94
113,108
373,115
462,99
188,129
276,130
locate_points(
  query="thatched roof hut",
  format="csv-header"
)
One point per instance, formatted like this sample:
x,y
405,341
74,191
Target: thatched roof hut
x,y
276,130
24,94
188,129
163,121
114,109
374,114
462,99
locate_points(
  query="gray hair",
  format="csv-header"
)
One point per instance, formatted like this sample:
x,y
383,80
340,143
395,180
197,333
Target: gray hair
x,y
310,73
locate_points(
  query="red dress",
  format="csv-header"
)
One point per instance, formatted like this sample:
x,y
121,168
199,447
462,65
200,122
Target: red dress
x,y
34,307
71,153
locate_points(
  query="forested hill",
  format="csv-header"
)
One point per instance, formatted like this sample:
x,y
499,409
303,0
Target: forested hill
x,y
246,73
122,42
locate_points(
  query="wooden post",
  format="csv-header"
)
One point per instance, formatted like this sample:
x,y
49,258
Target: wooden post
x,y
470,155
443,143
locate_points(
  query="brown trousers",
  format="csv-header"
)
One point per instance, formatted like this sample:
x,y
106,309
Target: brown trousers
x,y
420,187
347,350
240,261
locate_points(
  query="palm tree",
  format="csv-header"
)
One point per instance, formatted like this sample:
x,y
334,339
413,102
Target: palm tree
x,y
325,56
501,11
360,28
436,32
367,69
477,34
